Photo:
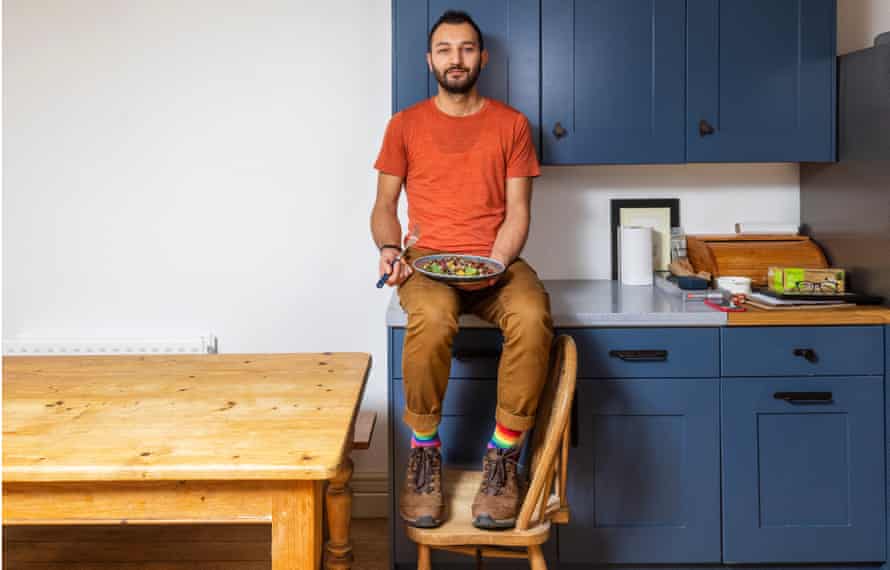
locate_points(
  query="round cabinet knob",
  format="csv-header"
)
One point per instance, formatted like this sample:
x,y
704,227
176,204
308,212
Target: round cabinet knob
x,y
559,131
705,128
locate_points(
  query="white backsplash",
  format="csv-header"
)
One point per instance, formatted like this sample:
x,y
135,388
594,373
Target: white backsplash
x,y
570,235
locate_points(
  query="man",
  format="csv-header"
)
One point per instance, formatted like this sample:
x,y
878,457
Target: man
x,y
467,164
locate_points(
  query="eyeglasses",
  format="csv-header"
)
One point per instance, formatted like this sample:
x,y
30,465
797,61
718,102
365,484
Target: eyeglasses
x,y
827,286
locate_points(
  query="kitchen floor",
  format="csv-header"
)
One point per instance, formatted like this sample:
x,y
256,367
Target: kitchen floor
x,y
189,547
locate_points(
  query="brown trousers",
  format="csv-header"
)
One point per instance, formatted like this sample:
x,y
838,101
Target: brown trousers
x,y
517,303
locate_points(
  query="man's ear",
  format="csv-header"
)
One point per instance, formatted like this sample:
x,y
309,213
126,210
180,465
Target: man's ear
x,y
429,61
484,58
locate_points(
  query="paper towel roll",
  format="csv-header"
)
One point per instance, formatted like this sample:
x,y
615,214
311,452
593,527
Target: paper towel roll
x,y
635,255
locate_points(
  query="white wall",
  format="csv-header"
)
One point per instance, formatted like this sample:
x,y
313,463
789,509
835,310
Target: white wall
x,y
859,21
182,167
176,167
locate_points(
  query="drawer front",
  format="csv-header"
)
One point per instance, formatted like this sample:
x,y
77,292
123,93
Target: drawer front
x,y
647,352
803,470
803,351
475,353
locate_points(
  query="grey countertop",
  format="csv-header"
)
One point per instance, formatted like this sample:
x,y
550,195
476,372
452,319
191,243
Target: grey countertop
x,y
598,303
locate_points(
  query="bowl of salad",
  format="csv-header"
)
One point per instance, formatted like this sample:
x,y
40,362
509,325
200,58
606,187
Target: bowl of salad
x,y
457,268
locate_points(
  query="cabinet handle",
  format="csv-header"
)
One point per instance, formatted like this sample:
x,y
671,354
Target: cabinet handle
x,y
640,355
807,354
465,355
705,128
559,131
805,397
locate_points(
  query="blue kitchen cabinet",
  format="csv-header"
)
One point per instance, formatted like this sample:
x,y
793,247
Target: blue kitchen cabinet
x,y
803,469
738,445
644,473
644,470
512,38
760,80
643,81
803,444
613,81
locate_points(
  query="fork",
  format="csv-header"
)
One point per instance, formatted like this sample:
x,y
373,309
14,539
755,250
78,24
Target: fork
x,y
412,237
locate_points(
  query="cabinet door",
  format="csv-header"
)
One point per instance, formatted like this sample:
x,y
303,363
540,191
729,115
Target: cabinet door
x,y
644,483
761,73
613,81
803,469
512,38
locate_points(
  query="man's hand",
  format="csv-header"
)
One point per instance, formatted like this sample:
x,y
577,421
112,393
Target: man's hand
x,y
398,270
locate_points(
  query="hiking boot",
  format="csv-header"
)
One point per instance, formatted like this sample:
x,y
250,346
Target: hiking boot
x,y
421,503
500,493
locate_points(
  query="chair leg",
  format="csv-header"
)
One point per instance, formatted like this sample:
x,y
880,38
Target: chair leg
x,y
535,558
423,557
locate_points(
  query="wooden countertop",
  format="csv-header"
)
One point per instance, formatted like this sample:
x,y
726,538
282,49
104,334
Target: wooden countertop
x,y
860,315
172,417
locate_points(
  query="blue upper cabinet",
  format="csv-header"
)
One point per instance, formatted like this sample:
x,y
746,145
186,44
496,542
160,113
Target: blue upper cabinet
x,y
648,81
512,38
761,80
613,81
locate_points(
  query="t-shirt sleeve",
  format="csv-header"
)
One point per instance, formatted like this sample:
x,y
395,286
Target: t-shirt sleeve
x,y
393,157
522,161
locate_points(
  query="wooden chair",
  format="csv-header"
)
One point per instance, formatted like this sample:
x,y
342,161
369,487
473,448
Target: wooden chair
x,y
544,503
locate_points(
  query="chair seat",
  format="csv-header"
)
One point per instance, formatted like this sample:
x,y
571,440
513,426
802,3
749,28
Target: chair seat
x,y
460,490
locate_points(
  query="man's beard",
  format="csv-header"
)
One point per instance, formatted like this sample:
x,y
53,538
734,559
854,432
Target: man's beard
x,y
458,86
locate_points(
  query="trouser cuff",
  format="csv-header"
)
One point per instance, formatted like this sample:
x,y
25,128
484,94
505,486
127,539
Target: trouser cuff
x,y
421,422
513,421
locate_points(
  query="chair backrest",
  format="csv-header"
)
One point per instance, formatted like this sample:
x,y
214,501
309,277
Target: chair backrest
x,y
550,443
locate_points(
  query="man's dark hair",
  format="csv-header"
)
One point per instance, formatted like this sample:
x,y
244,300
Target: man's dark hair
x,y
454,17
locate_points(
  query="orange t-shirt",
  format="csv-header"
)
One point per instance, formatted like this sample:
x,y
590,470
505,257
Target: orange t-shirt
x,y
456,169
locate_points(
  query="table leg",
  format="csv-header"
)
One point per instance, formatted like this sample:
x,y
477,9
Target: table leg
x,y
296,527
338,499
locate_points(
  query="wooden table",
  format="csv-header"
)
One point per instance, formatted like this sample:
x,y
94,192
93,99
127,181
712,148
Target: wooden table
x,y
247,438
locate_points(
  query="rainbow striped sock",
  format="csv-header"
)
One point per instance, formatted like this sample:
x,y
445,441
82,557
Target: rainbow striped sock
x,y
504,438
426,438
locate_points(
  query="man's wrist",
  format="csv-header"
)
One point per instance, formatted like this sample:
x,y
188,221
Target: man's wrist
x,y
501,258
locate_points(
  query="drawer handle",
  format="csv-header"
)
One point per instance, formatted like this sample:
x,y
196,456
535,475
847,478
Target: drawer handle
x,y
805,397
465,355
640,355
807,354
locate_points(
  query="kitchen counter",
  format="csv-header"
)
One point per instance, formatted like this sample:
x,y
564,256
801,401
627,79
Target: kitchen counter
x,y
859,315
600,303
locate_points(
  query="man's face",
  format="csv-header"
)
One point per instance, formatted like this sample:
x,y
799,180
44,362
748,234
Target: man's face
x,y
455,58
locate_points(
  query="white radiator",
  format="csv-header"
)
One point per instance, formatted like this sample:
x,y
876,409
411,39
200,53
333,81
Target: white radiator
x,y
112,346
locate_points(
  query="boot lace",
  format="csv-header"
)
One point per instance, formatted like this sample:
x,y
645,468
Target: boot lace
x,y
498,470
425,463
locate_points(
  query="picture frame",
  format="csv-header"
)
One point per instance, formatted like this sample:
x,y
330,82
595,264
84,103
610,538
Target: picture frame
x,y
661,214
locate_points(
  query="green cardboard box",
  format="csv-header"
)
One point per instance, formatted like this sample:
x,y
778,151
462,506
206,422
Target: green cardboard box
x,y
803,280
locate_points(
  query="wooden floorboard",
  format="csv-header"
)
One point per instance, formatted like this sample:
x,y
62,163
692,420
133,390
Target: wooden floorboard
x,y
187,547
